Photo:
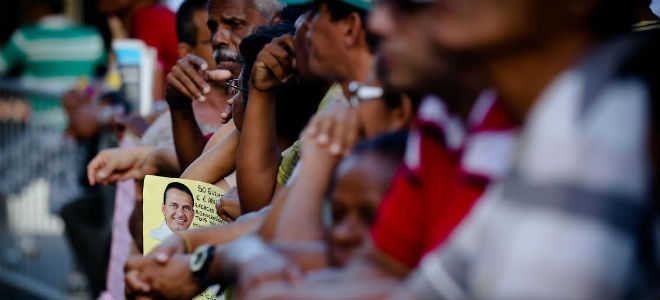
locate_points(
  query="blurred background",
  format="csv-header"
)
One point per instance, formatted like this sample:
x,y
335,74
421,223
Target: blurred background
x,y
46,204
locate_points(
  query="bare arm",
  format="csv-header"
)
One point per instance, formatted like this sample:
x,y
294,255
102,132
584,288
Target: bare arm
x,y
216,163
370,276
189,80
327,138
258,156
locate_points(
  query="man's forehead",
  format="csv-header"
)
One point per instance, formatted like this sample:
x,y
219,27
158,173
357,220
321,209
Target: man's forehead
x,y
228,8
175,195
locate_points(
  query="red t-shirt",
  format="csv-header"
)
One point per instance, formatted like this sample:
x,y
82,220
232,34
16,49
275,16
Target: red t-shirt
x,y
156,26
446,169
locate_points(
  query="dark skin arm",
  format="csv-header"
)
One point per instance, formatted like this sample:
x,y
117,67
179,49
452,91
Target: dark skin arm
x,y
259,156
189,79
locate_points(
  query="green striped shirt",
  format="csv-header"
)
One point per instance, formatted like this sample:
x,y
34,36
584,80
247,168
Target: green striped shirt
x,y
53,54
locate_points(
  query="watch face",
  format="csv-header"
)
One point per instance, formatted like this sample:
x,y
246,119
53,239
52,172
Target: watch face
x,y
198,258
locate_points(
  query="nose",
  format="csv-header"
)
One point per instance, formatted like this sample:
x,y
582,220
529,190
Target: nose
x,y
348,232
221,38
179,212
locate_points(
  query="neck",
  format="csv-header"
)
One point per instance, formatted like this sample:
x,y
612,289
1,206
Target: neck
x,y
520,77
359,66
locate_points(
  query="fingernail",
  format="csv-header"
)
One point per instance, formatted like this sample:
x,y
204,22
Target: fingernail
x,y
101,174
323,138
206,89
204,67
161,257
201,99
335,148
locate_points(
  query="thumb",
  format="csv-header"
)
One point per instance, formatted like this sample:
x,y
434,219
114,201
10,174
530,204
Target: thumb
x,y
163,255
107,169
218,75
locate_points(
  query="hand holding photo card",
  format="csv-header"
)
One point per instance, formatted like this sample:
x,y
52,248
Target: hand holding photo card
x,y
174,205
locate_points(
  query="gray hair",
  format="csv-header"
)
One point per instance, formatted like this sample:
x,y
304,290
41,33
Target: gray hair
x,y
268,8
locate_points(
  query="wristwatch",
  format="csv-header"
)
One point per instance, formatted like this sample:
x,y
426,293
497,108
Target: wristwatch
x,y
200,261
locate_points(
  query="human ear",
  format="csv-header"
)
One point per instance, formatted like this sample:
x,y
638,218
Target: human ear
x,y
402,116
184,49
353,29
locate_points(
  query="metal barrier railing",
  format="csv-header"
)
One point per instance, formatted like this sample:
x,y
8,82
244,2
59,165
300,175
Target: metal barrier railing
x,y
37,176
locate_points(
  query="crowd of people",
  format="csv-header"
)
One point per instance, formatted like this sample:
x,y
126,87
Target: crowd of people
x,y
406,149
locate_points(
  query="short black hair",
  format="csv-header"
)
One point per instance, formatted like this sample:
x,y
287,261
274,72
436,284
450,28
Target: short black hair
x,y
53,6
252,44
391,145
186,29
339,10
178,186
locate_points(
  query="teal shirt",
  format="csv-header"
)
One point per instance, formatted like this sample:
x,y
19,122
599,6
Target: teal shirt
x,y
53,54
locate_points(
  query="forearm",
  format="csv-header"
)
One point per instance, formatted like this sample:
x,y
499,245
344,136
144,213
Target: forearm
x,y
216,163
188,138
222,234
302,211
258,155
165,161
327,284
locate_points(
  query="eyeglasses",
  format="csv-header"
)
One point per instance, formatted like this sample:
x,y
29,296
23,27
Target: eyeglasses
x,y
362,92
233,88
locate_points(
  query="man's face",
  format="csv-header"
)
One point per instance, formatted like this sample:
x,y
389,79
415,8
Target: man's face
x,y
178,210
406,55
324,45
203,46
230,21
495,26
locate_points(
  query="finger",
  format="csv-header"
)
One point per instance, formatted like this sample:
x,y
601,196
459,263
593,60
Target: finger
x,y
92,168
287,43
218,75
325,124
162,256
273,64
183,84
182,76
226,115
226,218
135,283
312,128
106,170
197,62
337,132
195,76
352,129
175,86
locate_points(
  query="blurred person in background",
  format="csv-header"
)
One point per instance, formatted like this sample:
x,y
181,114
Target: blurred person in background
x,y
576,215
138,19
54,55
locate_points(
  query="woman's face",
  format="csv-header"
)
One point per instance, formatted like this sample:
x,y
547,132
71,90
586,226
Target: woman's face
x,y
361,184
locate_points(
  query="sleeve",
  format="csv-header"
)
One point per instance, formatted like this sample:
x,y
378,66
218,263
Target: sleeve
x,y
288,164
12,53
399,227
